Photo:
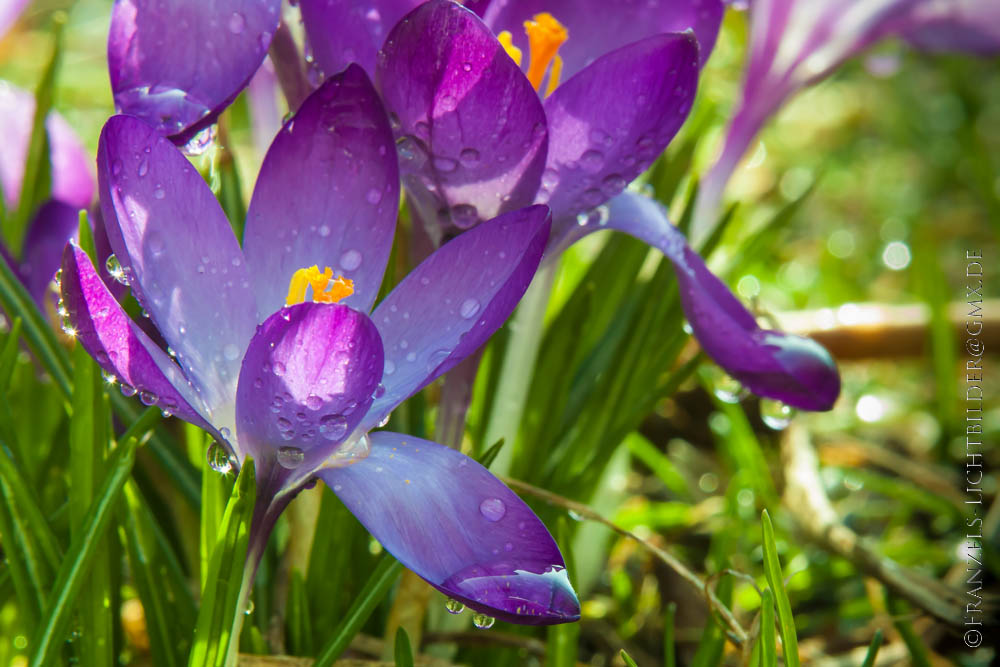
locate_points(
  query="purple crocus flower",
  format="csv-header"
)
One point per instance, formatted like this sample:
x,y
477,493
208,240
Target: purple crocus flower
x,y
297,384
969,26
476,139
72,188
177,65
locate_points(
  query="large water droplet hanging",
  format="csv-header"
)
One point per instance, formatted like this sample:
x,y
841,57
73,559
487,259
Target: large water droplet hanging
x,y
776,414
454,606
218,458
148,397
128,390
727,388
115,270
290,457
482,621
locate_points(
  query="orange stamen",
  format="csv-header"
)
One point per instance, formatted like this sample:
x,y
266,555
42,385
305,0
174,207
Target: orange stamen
x,y
545,36
325,288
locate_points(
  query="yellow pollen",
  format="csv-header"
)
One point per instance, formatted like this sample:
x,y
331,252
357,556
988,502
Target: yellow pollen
x,y
325,289
545,36
506,41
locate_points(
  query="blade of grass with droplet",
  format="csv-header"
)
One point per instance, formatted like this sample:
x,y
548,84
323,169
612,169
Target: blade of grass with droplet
x,y
402,652
220,599
298,629
76,566
772,570
88,442
767,641
364,604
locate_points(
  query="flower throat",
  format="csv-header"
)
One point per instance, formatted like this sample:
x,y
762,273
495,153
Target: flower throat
x,y
545,36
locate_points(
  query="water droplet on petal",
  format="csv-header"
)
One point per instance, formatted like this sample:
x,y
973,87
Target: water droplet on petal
x,y
379,391
237,23
333,427
290,457
482,621
454,606
469,308
115,270
464,215
492,509
128,390
231,352
350,260
728,389
314,402
374,196
278,368
469,157
148,397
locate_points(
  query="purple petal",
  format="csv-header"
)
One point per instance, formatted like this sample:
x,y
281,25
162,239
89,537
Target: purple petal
x,y
341,32
451,521
119,346
610,122
972,26
454,300
473,132
598,26
54,225
178,66
307,380
184,265
339,138
795,370
72,173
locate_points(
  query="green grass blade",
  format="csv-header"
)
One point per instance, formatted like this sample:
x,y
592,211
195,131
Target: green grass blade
x,y
768,642
88,440
375,589
873,649
76,566
772,570
220,601
8,356
402,652
298,626
669,631
629,662
901,613
561,649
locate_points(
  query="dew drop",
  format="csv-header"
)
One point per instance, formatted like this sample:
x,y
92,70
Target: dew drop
x,y
333,427
775,414
218,458
390,367
728,389
482,621
379,391
492,509
374,196
148,397
464,215
592,161
324,230
278,368
350,260
550,178
115,270
314,402
469,308
231,352
128,390
237,23
290,458
284,425
159,192
454,606
469,157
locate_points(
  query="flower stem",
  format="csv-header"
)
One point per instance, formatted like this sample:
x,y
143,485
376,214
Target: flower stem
x,y
518,367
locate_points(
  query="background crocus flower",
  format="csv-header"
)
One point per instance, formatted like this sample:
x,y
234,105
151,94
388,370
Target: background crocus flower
x,y
177,65
298,384
476,139
792,44
969,26
10,10
72,188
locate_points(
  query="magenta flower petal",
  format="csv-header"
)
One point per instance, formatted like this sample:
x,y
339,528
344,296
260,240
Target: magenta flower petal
x,y
339,136
454,300
610,122
472,128
179,253
119,346
72,173
795,370
341,32
971,26
599,26
452,522
307,380
54,224
177,65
